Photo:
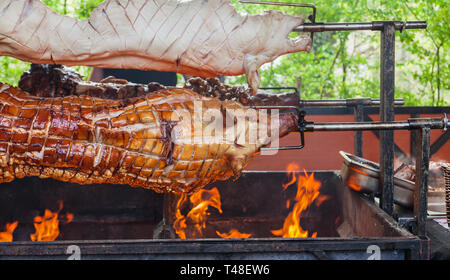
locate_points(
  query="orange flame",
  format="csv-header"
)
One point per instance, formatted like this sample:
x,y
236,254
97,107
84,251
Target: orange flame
x,y
307,193
7,236
47,226
290,169
194,222
359,171
234,233
354,186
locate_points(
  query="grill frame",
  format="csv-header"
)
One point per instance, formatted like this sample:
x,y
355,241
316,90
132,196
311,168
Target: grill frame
x,y
368,226
221,249
410,246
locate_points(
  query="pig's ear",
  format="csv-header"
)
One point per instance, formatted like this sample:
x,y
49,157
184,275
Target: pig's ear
x,y
251,65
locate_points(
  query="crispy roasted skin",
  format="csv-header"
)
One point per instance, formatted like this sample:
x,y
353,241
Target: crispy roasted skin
x,y
139,141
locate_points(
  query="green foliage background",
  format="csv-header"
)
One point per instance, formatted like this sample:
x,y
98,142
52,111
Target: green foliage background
x,y
341,64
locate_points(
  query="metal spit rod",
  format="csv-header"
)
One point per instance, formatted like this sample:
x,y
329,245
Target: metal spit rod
x,y
346,102
417,123
314,26
374,26
329,103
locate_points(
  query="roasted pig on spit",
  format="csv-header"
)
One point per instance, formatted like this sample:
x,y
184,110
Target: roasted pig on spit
x,y
194,37
160,141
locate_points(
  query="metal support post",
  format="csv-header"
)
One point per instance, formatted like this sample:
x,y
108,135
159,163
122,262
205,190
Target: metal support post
x,y
421,189
164,229
413,137
358,136
387,93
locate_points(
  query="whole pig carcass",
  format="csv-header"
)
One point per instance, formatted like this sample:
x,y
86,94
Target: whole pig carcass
x,y
194,37
170,140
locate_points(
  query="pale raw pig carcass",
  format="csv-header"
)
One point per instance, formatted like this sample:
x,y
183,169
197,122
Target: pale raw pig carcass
x,y
196,37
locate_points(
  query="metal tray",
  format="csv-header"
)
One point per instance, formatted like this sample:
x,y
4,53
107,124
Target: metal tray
x,y
363,175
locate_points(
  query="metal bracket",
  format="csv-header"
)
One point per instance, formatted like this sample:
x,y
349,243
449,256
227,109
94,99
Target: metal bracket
x,y
408,223
163,231
301,125
421,189
280,88
446,122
